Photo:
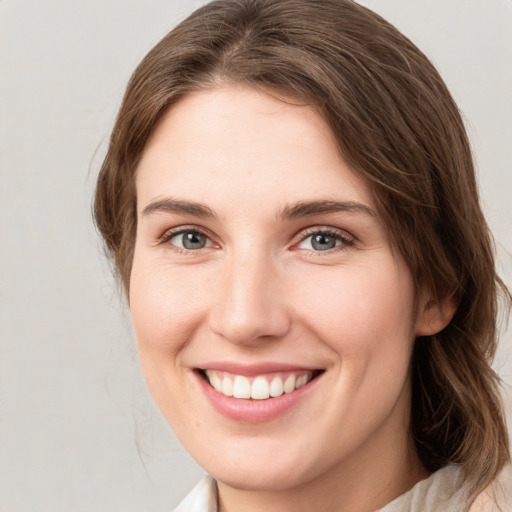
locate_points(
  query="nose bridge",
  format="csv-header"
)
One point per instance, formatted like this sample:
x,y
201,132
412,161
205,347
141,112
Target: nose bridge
x,y
250,307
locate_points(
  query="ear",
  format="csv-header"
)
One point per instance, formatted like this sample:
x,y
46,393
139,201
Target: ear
x,y
435,314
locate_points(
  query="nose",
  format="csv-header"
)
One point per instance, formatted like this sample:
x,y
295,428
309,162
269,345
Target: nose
x,y
250,308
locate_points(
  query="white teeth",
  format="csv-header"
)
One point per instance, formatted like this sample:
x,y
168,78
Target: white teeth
x,y
289,384
241,387
215,381
227,386
276,387
260,389
257,388
302,380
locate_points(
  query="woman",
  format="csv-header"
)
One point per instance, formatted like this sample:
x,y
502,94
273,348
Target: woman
x,y
290,202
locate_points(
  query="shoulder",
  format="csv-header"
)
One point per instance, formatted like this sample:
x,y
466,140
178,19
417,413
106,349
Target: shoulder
x,y
498,496
443,490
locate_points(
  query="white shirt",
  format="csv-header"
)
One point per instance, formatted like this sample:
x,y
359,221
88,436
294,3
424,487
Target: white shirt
x,y
442,491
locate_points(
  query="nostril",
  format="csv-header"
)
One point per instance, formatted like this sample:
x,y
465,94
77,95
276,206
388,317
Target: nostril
x,y
260,327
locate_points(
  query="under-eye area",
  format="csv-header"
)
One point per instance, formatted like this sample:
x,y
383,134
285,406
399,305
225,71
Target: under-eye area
x,y
258,387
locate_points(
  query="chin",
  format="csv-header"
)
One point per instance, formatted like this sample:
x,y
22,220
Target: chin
x,y
261,478
261,466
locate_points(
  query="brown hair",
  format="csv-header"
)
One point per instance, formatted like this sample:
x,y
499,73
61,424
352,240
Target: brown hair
x,y
398,127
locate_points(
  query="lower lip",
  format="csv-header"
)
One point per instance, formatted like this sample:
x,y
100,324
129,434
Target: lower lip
x,y
254,411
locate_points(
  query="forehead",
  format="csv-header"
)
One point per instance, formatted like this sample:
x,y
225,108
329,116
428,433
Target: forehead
x,y
242,142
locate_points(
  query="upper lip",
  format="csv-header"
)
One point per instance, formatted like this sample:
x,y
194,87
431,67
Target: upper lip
x,y
253,369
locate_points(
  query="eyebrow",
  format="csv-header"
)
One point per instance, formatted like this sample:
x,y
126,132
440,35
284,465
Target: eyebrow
x,y
171,205
289,212
308,208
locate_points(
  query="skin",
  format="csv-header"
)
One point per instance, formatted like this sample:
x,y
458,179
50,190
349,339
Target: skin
x,y
260,291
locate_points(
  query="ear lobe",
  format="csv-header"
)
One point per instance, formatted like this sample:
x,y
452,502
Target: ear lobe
x,y
435,315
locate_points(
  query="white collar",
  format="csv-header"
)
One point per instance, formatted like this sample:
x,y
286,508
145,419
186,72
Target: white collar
x,y
202,498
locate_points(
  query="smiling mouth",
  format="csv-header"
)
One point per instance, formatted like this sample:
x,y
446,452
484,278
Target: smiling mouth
x,y
258,387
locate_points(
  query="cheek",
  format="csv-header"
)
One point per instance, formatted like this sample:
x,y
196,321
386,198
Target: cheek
x,y
360,312
165,312
165,308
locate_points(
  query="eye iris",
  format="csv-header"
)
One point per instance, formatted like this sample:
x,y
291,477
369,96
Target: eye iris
x,y
323,242
193,240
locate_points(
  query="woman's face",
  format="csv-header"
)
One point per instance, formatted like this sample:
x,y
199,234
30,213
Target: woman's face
x,y
262,269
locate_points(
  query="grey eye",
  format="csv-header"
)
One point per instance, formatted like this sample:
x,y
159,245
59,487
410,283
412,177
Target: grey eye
x,y
322,241
189,240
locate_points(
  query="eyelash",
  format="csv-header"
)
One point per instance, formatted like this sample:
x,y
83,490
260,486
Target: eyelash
x,y
340,236
168,235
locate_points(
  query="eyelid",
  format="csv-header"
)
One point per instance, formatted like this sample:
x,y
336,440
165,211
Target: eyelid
x,y
346,238
172,232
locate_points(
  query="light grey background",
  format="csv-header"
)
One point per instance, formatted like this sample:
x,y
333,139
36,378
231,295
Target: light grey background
x,y
78,430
